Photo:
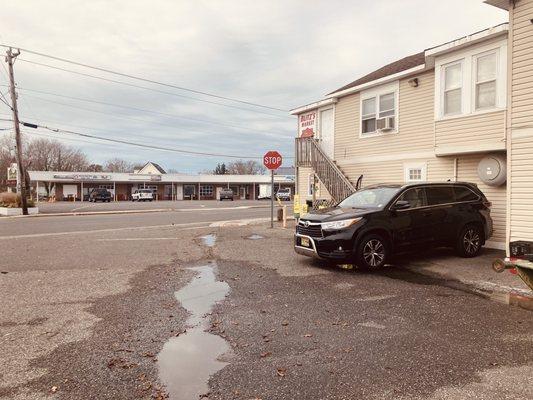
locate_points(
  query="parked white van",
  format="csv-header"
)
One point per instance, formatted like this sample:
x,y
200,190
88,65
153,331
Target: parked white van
x,y
142,195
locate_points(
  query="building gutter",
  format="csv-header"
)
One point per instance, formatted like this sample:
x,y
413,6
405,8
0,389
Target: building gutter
x,y
469,40
380,81
314,106
503,4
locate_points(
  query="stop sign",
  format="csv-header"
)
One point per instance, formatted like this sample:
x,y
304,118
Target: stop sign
x,y
272,160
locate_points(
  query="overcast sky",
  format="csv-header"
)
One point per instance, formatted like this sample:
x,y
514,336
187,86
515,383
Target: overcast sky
x,y
278,53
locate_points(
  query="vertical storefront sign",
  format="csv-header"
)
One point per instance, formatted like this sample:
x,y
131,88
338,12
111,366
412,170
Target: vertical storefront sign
x,y
307,124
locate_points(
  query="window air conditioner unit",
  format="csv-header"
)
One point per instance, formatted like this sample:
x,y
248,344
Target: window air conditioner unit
x,y
385,124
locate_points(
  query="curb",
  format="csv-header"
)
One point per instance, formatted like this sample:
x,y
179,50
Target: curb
x,y
521,301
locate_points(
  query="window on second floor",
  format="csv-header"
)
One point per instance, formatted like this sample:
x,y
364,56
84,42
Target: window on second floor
x,y
376,105
471,81
453,88
485,80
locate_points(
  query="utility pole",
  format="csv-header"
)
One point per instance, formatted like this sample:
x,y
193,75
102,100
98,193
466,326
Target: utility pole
x,y
21,171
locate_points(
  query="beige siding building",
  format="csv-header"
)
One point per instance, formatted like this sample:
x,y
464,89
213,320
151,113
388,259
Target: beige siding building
x,y
432,116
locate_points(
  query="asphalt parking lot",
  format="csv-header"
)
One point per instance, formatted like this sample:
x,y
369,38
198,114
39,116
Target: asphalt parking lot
x,y
90,312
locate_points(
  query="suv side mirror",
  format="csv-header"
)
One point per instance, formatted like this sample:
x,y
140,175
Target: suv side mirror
x,y
401,205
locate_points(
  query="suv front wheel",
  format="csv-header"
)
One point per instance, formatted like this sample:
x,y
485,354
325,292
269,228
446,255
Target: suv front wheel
x,y
469,241
372,252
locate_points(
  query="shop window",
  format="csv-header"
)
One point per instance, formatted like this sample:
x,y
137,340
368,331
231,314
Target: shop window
x,y
206,190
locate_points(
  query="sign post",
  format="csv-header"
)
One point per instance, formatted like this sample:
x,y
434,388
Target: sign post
x,y
272,160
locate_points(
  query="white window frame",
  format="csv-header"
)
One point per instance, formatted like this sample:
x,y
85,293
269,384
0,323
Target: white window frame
x,y
475,82
310,184
443,91
421,166
375,93
206,190
469,59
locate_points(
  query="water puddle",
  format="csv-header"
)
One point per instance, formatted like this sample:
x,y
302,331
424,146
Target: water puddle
x,y
209,240
255,237
186,362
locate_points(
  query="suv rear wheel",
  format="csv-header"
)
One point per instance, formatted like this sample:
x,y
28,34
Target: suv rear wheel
x,y
372,252
469,241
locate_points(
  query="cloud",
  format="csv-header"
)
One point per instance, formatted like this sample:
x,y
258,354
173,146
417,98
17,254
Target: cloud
x,y
279,53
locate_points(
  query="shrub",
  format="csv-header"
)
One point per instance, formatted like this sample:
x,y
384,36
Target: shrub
x,y
13,200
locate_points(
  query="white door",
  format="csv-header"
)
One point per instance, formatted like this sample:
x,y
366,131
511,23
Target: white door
x,y
326,132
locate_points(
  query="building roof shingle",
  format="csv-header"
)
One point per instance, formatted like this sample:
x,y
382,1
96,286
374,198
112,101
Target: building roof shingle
x,y
395,67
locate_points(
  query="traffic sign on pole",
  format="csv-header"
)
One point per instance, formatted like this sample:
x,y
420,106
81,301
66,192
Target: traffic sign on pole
x,y
272,160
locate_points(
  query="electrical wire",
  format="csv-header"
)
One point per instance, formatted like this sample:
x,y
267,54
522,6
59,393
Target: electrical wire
x,y
145,79
154,147
150,89
146,111
127,117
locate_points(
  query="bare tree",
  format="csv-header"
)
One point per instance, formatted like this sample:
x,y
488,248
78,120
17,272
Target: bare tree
x,y
118,165
95,168
245,167
6,158
51,155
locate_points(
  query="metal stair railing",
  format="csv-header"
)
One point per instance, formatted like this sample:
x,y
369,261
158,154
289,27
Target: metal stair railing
x,y
309,154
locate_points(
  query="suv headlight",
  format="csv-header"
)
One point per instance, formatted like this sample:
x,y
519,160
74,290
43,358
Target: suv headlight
x,y
338,225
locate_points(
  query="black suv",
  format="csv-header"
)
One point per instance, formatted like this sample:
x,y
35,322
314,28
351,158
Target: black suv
x,y
374,223
100,195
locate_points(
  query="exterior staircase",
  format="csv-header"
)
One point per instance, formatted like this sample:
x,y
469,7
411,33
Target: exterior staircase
x,y
309,154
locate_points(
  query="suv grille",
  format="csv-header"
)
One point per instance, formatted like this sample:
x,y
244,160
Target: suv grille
x,y
311,230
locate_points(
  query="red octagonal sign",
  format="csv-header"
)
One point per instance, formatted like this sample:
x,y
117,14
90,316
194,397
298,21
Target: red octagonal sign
x,y
272,160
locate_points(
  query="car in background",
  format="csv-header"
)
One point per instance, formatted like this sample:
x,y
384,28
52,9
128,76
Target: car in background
x,y
375,223
102,195
226,194
142,195
284,194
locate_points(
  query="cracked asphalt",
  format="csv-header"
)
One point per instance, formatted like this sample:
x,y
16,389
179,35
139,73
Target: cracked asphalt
x,y
85,315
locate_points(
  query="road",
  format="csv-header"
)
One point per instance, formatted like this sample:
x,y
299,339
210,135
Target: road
x,y
182,214
89,312
66,206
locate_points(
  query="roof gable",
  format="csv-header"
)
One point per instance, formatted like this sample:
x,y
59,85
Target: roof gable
x,y
151,167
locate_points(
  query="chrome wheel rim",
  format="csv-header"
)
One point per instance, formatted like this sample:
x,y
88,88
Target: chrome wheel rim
x,y
374,252
471,241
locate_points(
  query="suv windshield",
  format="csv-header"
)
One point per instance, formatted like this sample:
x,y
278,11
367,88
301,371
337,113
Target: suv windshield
x,y
370,198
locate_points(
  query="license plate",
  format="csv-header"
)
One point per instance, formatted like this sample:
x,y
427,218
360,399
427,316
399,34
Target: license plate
x,y
305,242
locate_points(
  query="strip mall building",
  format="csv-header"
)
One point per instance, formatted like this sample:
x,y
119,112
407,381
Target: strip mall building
x,y
77,185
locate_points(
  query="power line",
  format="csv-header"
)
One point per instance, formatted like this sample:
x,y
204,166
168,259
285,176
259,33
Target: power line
x,y
146,111
198,153
4,100
126,117
151,89
147,80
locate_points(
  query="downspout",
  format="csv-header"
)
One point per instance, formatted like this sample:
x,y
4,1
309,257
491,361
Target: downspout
x,y
455,165
508,129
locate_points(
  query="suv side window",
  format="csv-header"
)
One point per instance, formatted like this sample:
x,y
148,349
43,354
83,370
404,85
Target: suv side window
x,y
440,195
462,193
415,196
